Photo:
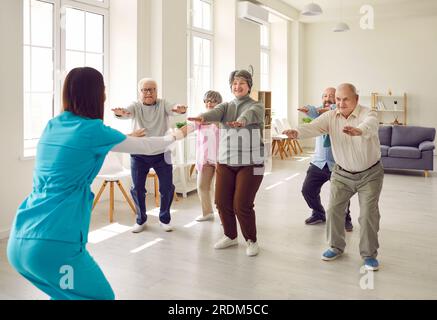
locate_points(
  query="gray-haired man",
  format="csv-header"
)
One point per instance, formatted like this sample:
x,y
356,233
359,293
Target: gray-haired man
x,y
151,114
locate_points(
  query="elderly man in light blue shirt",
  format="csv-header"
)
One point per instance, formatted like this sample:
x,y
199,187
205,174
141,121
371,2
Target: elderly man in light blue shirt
x,y
321,165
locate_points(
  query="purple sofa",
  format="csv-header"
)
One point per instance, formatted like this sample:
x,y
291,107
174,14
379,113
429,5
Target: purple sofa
x,y
407,147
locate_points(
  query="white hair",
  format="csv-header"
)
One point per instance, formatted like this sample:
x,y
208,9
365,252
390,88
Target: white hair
x,y
143,81
350,86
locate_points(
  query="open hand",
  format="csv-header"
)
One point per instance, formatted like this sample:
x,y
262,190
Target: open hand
x,y
292,134
323,110
304,109
138,133
352,131
236,124
179,108
196,119
121,112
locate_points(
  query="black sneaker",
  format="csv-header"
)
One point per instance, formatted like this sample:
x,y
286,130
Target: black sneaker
x,y
315,219
348,225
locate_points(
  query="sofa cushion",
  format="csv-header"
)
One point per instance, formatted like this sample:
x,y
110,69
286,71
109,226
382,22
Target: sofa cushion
x,y
384,151
404,152
385,135
411,136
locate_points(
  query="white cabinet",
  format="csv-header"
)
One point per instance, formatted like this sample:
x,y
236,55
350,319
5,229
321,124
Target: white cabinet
x,y
184,159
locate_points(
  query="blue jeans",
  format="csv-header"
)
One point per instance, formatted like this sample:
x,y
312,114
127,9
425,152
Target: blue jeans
x,y
140,166
63,270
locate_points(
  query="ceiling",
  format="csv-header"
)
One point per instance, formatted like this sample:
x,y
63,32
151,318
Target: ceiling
x,y
350,9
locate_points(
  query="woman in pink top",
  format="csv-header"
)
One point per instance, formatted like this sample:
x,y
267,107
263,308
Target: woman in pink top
x,y
206,157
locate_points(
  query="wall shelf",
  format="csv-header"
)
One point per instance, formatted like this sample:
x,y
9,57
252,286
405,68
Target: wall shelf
x,y
392,110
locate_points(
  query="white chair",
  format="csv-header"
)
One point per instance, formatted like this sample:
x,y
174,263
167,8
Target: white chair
x,y
111,172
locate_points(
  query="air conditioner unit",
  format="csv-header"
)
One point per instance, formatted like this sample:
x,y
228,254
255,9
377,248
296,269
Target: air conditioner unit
x,y
253,13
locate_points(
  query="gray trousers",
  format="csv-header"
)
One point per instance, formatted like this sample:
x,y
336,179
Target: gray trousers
x,y
344,185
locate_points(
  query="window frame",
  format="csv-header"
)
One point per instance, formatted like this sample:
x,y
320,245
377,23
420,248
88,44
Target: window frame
x,y
92,9
95,3
59,53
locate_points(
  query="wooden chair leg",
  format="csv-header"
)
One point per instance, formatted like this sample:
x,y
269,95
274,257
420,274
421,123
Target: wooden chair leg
x,y
129,201
175,196
281,150
274,145
293,146
426,173
287,149
102,188
298,145
111,201
157,195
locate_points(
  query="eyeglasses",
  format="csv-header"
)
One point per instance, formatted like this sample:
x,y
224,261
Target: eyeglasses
x,y
148,90
209,101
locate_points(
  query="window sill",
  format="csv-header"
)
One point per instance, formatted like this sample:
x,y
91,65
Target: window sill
x,y
27,158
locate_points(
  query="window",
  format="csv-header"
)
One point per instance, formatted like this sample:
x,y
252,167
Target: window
x,y
57,36
201,50
39,69
84,39
265,58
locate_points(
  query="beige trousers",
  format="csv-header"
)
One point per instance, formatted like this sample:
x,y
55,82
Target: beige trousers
x,y
344,185
205,188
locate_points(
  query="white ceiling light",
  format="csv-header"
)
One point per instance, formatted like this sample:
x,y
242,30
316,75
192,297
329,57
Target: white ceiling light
x,y
341,27
311,9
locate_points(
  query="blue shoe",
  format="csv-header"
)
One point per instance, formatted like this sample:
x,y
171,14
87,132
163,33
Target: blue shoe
x,y
371,264
330,254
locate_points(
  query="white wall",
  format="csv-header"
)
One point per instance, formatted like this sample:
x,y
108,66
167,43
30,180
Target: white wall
x,y
279,64
399,54
123,73
247,48
167,49
15,174
236,46
296,69
224,45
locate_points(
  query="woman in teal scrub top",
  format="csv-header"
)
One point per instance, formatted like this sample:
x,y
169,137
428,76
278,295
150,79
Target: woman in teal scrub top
x,y
47,244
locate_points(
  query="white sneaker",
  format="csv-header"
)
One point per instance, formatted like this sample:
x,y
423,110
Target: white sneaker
x,y
205,218
166,226
252,248
137,228
225,242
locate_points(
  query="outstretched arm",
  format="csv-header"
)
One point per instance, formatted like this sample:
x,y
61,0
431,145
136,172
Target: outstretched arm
x,y
124,113
253,115
149,145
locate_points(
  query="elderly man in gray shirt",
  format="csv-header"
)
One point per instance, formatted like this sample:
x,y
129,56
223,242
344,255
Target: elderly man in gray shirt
x,y
151,114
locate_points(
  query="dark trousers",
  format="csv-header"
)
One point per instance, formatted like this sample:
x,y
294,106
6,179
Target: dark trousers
x,y
140,166
235,192
312,186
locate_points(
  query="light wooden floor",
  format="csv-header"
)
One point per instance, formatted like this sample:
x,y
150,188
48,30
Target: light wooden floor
x,y
183,265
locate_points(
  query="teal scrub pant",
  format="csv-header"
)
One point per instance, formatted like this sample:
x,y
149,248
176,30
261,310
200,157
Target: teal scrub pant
x,y
63,270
